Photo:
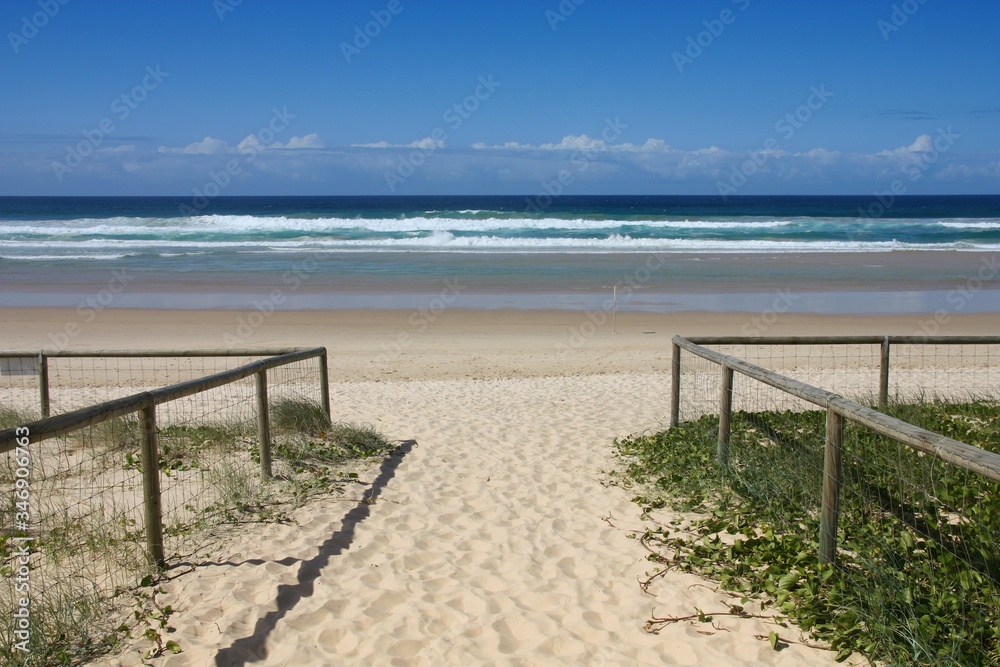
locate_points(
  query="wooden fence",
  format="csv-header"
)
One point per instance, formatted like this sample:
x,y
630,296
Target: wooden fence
x,y
838,409
145,403
40,363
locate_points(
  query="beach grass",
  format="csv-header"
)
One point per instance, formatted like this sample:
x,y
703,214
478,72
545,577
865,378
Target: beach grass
x,y
69,627
89,562
297,415
917,580
13,417
319,462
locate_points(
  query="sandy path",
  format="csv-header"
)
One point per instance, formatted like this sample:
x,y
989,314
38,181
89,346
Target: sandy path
x,y
486,544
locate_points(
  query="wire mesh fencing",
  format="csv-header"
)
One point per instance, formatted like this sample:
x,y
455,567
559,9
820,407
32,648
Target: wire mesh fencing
x,y
92,511
870,370
19,388
916,527
52,383
957,372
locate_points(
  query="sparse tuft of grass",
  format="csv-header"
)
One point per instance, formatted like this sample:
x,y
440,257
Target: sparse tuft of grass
x,y
340,443
358,440
116,435
240,493
316,463
71,624
13,417
297,415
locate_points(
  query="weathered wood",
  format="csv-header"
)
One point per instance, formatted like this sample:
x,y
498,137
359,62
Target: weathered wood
x,y
958,453
804,391
614,309
145,403
72,421
831,487
324,384
43,429
263,425
845,340
883,376
198,385
675,385
785,340
961,454
234,352
151,486
725,415
944,340
43,386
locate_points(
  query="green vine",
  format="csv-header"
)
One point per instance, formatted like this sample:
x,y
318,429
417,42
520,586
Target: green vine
x,y
917,581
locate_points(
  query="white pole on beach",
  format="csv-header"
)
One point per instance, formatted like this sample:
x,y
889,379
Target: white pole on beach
x,y
614,309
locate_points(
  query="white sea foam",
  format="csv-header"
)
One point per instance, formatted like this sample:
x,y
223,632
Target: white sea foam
x,y
208,234
446,241
985,224
52,258
245,224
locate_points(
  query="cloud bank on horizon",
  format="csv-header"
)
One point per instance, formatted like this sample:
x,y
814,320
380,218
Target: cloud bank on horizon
x,y
356,99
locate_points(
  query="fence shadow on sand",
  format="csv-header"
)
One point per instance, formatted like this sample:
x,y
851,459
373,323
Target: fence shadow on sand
x,y
253,648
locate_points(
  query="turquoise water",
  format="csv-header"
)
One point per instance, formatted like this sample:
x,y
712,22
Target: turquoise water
x,y
228,230
372,247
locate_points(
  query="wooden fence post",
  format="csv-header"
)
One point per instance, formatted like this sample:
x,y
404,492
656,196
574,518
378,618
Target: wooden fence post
x,y
883,380
675,385
831,487
263,425
324,385
725,414
43,385
151,485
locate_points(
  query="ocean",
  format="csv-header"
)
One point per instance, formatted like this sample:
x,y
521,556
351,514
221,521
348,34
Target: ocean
x,y
510,251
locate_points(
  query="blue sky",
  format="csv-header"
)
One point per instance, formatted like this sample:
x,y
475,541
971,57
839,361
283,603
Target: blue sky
x,y
520,96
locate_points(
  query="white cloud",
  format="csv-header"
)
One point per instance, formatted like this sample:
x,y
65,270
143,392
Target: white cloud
x,y
250,144
124,148
207,146
569,143
651,146
576,143
594,163
428,143
922,144
308,141
583,142
210,146
510,145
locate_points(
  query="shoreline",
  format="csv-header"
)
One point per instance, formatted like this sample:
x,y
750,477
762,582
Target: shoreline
x,y
455,343
901,282
966,296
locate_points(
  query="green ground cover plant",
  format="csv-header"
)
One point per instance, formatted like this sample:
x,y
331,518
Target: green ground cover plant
x,y
917,580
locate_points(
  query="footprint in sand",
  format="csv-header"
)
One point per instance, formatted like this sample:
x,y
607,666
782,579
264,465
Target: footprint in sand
x,y
385,605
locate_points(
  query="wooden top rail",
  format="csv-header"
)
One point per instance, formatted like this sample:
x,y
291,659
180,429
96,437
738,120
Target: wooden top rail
x,y
95,414
72,421
182,389
804,391
842,340
957,453
235,352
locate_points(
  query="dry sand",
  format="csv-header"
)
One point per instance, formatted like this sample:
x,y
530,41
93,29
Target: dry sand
x,y
489,538
404,344
490,541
